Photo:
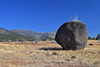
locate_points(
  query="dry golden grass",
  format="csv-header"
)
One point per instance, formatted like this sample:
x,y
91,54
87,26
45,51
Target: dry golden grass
x,y
45,54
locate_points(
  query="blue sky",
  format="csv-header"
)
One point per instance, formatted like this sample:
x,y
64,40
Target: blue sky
x,y
49,15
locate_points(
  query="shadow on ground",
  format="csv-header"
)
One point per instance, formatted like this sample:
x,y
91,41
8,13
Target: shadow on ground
x,y
54,48
50,49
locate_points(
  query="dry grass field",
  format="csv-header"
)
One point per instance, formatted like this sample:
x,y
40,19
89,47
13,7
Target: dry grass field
x,y
46,54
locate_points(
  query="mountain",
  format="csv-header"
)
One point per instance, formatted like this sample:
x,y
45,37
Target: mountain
x,y
49,35
8,35
4,31
26,32
41,35
32,34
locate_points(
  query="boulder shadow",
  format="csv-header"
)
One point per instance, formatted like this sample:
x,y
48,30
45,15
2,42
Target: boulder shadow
x,y
52,48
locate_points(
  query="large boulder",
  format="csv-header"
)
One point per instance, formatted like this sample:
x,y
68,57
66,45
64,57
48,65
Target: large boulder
x,y
72,35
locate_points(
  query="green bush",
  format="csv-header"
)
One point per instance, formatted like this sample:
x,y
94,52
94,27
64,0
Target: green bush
x,y
98,37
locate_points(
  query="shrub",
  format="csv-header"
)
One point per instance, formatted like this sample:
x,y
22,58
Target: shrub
x,y
98,37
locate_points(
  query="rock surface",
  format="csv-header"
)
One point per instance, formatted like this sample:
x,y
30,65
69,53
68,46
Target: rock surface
x,y
72,35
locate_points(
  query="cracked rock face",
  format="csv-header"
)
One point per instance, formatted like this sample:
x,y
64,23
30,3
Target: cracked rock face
x,y
72,35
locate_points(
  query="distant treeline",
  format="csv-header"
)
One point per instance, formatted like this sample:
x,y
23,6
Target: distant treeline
x,y
94,38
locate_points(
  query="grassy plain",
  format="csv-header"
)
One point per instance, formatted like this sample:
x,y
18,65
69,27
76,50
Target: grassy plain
x,y
47,54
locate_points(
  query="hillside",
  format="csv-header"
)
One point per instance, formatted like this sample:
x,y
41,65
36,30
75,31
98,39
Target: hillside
x,y
26,33
49,35
41,35
6,35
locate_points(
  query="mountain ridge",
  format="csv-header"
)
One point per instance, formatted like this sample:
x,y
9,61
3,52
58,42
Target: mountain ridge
x,y
8,35
26,34
41,35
